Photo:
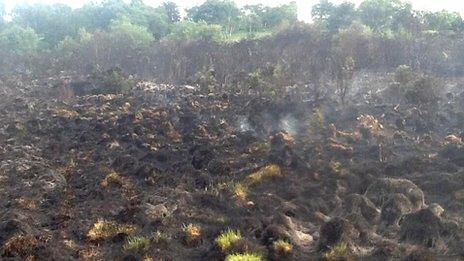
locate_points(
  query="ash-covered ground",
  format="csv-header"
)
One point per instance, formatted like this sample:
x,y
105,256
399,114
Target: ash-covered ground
x,y
161,172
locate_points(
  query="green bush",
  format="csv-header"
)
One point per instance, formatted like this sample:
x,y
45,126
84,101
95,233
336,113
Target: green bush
x,y
19,40
417,88
190,31
123,30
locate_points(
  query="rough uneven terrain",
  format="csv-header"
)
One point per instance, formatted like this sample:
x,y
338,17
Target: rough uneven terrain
x,y
372,178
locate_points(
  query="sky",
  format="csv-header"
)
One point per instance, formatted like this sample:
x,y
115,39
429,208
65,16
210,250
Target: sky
x,y
304,6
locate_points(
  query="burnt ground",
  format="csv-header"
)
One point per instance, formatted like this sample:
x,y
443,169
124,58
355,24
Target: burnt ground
x,y
385,181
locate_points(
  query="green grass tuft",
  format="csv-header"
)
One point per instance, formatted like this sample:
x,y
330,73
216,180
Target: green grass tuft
x,y
244,257
227,239
137,244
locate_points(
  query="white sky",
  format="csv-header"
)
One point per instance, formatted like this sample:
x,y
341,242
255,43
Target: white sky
x,y
304,6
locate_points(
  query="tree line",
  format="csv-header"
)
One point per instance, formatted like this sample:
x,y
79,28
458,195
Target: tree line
x,y
42,26
232,44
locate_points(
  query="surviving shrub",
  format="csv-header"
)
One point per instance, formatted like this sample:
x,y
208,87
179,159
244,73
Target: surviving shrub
x,y
244,257
416,88
227,239
113,81
137,244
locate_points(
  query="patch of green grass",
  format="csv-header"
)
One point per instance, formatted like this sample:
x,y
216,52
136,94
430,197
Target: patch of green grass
x,y
227,239
137,244
244,257
341,251
160,238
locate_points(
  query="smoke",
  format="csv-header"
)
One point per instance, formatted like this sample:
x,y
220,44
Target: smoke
x,y
289,124
244,124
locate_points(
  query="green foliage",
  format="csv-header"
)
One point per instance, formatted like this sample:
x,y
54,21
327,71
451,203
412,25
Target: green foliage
x,y
113,81
2,14
254,80
160,238
191,31
417,88
244,257
340,251
282,248
378,13
53,22
172,11
273,17
333,17
256,18
227,239
135,36
353,42
443,21
207,80
19,40
68,46
137,244
222,12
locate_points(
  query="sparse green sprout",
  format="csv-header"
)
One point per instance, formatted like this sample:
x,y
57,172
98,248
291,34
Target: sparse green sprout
x,y
227,239
282,247
160,238
104,230
138,244
244,257
341,251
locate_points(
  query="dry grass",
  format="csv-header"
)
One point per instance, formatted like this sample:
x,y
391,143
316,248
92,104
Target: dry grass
x,y
104,230
240,191
268,172
282,248
112,179
192,235
20,245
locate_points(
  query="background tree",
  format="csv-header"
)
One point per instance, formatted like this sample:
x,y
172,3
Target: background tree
x,y
443,21
333,17
190,31
2,14
406,18
222,12
252,17
274,16
130,35
378,14
172,11
53,22
19,40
